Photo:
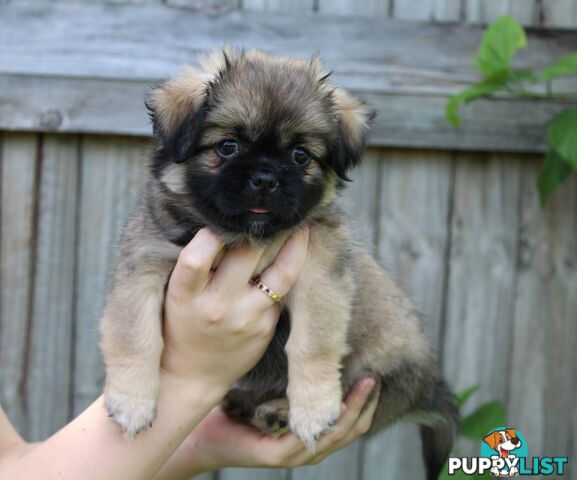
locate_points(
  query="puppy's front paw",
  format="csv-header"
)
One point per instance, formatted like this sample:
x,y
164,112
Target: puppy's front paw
x,y
313,411
133,414
272,417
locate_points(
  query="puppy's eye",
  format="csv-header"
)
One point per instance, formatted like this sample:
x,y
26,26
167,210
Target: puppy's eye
x,y
301,156
227,148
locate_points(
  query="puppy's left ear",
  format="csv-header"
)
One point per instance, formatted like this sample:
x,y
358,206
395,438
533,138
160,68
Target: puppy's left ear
x,y
177,108
492,439
354,121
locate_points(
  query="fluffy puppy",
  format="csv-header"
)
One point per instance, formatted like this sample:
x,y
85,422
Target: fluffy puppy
x,y
255,146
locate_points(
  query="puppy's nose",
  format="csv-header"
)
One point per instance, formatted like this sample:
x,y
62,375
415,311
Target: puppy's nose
x,y
263,181
515,441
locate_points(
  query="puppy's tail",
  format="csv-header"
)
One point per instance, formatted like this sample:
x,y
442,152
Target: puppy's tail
x,y
439,427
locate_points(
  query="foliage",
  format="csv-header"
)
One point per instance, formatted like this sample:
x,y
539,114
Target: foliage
x,y
475,426
501,41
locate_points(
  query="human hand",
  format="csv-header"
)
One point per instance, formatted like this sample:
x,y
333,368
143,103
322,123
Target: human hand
x,y
216,325
219,442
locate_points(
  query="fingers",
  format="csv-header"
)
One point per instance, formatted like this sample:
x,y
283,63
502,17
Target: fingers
x,y
237,268
365,420
191,272
284,271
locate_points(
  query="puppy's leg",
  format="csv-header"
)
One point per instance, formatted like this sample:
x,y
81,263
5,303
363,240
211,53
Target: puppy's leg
x,y
320,310
132,345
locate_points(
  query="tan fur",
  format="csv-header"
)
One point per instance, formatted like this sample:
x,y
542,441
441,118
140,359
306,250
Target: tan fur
x,y
131,328
174,99
353,116
173,179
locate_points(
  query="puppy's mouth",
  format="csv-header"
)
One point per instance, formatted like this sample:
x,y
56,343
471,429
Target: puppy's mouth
x,y
259,210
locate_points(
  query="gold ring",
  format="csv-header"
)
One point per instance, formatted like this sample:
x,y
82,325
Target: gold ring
x,y
266,290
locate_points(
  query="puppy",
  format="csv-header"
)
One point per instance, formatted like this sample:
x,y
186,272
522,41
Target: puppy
x,y
503,442
254,147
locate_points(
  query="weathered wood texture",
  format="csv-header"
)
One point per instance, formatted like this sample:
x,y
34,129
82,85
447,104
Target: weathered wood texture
x,y
85,68
494,275
17,244
108,190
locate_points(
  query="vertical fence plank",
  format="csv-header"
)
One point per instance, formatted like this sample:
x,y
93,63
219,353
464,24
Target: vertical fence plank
x,y
143,2
253,474
369,8
342,465
51,336
482,274
560,13
18,156
112,169
294,6
205,5
544,350
439,10
485,11
414,203
414,211
447,10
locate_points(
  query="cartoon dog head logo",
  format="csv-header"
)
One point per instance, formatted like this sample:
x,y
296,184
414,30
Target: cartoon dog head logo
x,y
504,446
503,441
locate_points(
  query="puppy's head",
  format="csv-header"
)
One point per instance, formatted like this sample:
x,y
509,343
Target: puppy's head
x,y
503,441
254,142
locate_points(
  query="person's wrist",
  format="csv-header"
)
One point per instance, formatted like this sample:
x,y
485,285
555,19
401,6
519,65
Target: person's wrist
x,y
184,373
194,390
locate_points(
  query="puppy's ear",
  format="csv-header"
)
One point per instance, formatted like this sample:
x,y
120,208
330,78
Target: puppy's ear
x,y
492,439
354,120
177,108
512,432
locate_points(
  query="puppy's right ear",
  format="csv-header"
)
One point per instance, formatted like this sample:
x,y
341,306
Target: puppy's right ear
x,y
177,109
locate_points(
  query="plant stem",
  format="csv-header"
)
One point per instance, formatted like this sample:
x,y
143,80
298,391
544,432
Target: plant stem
x,y
519,92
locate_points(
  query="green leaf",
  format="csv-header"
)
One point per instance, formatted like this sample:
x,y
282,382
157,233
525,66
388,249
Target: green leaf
x,y
464,395
562,135
566,65
486,417
521,75
553,172
500,42
476,90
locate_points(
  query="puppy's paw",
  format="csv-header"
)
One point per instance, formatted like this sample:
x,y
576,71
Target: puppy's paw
x,y
315,414
238,405
272,417
133,414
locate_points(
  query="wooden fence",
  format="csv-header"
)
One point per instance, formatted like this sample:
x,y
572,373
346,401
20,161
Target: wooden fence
x,y
453,215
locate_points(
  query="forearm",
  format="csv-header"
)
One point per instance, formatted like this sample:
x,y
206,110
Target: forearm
x,y
92,447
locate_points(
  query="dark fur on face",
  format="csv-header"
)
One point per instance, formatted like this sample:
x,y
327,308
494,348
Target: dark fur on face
x,y
261,141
